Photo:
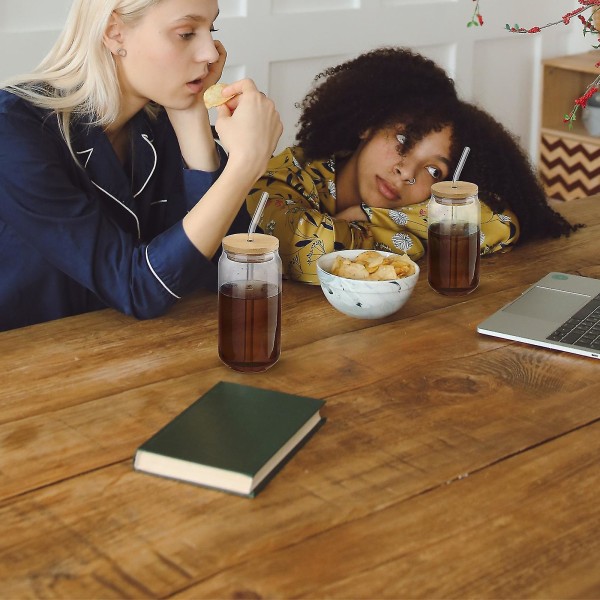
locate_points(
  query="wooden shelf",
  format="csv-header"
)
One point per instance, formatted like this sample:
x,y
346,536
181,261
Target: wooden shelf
x,y
569,160
577,133
582,63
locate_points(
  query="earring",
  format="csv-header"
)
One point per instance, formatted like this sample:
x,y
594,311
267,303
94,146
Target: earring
x,y
122,52
401,138
411,181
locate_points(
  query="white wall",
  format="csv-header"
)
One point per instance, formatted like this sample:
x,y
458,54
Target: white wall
x,y
282,44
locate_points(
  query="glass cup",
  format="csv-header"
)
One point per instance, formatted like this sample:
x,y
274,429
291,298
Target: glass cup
x,y
453,237
250,284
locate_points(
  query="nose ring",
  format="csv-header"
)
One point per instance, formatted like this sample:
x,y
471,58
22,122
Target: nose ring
x,y
411,181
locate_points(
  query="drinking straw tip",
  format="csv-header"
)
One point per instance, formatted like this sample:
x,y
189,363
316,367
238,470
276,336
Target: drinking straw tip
x,y
257,214
460,165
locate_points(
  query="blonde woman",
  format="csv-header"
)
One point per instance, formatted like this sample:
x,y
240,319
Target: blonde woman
x,y
113,192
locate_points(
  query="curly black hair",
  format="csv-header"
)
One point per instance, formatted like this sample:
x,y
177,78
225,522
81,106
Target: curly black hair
x,y
384,87
504,174
396,87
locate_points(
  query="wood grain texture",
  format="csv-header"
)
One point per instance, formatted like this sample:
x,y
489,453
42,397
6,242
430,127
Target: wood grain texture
x,y
451,464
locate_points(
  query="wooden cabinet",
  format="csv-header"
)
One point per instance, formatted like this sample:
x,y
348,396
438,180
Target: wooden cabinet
x,y
569,159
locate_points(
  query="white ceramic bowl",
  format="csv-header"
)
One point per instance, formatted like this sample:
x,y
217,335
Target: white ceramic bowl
x,y
363,299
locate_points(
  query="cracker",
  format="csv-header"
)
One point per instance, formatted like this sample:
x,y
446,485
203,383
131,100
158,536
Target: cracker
x,y
370,259
213,96
374,266
402,264
383,273
344,267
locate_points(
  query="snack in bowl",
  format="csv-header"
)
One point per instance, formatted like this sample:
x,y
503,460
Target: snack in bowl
x,y
375,295
374,266
213,96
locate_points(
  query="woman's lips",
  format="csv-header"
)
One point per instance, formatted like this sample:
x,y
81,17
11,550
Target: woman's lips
x,y
386,189
195,86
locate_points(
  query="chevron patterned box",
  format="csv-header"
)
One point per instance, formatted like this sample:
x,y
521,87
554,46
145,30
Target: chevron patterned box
x,y
569,168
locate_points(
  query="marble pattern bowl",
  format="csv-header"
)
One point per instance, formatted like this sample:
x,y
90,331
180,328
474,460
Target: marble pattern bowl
x,y
363,299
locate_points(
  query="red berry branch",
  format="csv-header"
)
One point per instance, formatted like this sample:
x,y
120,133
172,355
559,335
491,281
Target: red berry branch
x,y
476,18
591,25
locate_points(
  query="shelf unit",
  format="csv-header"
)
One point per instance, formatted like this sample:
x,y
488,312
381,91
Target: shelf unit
x,y
569,159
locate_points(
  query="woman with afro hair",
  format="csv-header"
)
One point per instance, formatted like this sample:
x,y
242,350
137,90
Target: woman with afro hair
x,y
375,133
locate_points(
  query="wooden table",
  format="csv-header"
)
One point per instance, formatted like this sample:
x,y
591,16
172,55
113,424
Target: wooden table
x,y
452,464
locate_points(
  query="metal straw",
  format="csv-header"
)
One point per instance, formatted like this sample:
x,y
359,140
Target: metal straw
x,y
460,165
257,214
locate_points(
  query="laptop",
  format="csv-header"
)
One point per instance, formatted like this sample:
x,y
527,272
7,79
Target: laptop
x,y
560,311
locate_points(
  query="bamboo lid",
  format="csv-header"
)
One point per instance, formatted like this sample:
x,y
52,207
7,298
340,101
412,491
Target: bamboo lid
x,y
446,189
260,243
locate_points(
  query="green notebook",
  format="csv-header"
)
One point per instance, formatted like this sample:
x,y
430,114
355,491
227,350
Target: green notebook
x,y
231,438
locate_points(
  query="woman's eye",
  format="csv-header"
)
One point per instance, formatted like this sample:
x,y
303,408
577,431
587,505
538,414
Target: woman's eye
x,y
187,36
434,172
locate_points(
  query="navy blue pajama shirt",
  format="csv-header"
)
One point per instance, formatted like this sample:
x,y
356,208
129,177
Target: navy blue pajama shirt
x,y
81,237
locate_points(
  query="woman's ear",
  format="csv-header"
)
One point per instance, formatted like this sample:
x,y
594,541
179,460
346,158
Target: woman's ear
x,y
113,35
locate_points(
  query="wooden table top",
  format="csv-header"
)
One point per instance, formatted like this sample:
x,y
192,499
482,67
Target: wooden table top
x,y
451,465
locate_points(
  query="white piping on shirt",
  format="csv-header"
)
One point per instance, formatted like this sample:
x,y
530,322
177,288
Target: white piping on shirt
x,y
158,278
145,138
137,221
89,153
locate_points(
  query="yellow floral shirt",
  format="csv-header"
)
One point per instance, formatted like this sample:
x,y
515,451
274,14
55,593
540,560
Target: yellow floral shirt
x,y
302,200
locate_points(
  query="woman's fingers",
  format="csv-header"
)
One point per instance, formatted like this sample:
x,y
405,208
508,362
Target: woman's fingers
x,y
248,125
215,69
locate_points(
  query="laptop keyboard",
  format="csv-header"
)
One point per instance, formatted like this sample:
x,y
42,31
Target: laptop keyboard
x,y
583,328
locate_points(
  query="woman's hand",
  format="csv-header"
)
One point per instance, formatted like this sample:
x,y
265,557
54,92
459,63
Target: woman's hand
x,y
249,127
215,70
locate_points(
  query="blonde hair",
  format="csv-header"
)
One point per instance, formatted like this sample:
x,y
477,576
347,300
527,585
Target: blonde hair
x,y
79,76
